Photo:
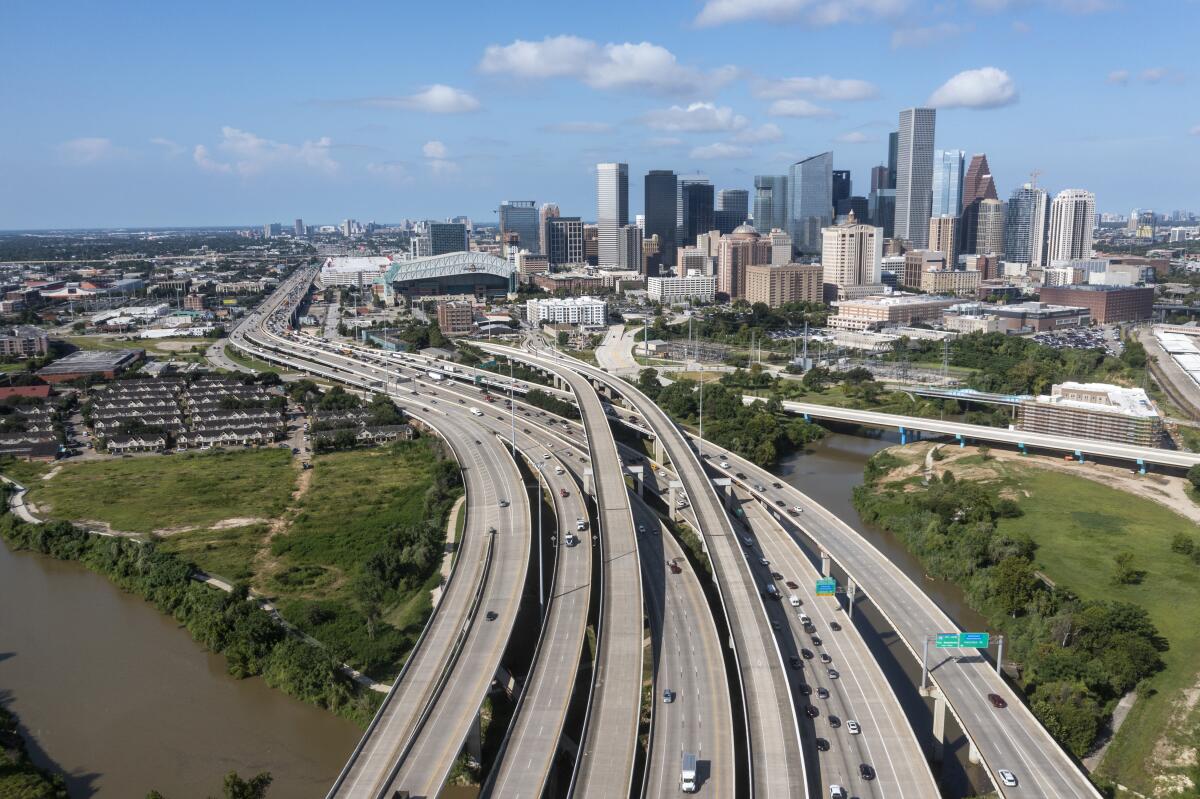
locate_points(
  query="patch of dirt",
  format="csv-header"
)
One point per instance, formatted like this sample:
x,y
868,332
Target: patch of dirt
x,y
238,521
167,532
174,346
265,564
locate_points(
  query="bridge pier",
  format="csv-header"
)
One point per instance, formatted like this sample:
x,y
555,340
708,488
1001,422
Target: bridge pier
x,y
588,483
1021,444
939,721
1141,466
962,442
851,590
673,496
724,487
636,472
973,756
474,742
659,452
1079,454
903,436
824,563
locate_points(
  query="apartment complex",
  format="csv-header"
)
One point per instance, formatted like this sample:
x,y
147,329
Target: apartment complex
x,y
24,341
670,290
455,318
1093,410
567,310
781,285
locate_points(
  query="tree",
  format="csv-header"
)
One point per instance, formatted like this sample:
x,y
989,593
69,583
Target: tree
x,y
1183,544
1124,572
1193,476
648,382
1014,583
253,788
563,338
817,378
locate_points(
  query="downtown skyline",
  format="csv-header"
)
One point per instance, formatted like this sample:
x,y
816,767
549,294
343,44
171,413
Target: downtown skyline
x,y
294,116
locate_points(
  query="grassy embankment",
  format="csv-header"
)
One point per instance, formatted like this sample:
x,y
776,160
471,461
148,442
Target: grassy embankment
x,y
1079,526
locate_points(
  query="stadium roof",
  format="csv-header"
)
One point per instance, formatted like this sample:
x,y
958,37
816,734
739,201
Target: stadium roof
x,y
454,263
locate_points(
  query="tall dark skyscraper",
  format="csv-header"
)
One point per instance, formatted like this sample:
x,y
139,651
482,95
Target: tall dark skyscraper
x,y
521,217
696,206
893,155
662,187
733,209
810,202
841,186
879,177
977,187
770,203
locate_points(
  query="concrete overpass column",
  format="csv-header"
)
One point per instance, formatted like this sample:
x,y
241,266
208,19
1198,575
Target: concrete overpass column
x,y
659,453
825,563
939,725
903,436
674,486
588,483
636,472
851,589
724,487
474,742
973,756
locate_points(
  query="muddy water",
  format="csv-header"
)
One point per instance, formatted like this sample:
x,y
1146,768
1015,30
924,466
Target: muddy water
x,y
117,696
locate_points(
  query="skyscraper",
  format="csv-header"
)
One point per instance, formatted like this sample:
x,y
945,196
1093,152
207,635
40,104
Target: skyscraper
x,y
1072,217
851,255
521,217
988,234
695,209
564,240
978,183
549,211
810,204
612,211
629,244
893,157
841,187
879,177
947,182
662,189
447,237
941,237
298,228
1025,226
736,201
881,210
770,202
914,175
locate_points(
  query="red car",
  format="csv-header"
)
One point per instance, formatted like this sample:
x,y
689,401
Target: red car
x,y
997,701
564,492
675,567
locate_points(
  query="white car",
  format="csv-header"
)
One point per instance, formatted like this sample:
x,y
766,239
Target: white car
x,y
1007,777
852,727
724,464
798,509
794,600
559,470
837,792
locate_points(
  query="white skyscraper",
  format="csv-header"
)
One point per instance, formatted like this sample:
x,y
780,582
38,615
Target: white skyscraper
x,y
1072,217
851,255
612,211
914,175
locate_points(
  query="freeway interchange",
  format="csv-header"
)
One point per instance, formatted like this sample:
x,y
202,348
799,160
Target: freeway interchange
x,y
628,619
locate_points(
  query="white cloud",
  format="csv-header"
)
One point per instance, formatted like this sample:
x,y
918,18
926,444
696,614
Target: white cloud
x,y
248,154
927,36
1153,74
172,148
611,66
763,133
854,137
1119,77
440,99
695,118
797,108
719,150
579,127
987,87
1070,6
823,87
814,12
87,150
437,158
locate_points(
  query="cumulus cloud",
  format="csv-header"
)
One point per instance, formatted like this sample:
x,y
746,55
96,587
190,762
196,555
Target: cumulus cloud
x,y
579,127
813,12
1153,74
763,133
87,150
719,150
628,65
823,87
797,108
694,118
927,36
854,137
437,158
171,147
248,154
1070,6
436,99
1119,77
987,87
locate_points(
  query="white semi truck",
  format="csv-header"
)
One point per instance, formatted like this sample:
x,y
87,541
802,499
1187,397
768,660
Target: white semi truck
x,y
687,773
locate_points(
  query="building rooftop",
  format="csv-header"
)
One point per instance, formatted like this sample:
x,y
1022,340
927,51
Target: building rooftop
x,y
85,361
896,300
1111,399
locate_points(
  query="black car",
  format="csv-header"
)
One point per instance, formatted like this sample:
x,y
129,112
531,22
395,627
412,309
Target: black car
x,y
781,503
492,615
776,576
795,664
811,711
806,653
833,625
776,485
808,628
816,640
822,745
866,772
805,689
740,476
835,722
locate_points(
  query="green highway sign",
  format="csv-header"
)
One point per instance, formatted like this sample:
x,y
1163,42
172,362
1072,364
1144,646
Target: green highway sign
x,y
975,640
826,586
946,640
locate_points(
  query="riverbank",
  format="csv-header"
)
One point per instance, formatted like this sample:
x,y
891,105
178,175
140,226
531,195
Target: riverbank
x,y
20,778
1112,541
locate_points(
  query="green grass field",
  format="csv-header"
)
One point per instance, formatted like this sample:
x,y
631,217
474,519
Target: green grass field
x,y
1079,526
24,472
227,553
241,358
144,494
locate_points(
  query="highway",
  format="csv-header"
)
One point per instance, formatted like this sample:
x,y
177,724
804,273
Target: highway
x,y
776,762
689,663
975,432
1009,739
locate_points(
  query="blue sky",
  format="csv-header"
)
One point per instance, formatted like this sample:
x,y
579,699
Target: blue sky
x,y
153,113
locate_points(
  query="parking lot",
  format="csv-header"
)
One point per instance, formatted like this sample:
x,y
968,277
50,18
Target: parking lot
x,y
1084,338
